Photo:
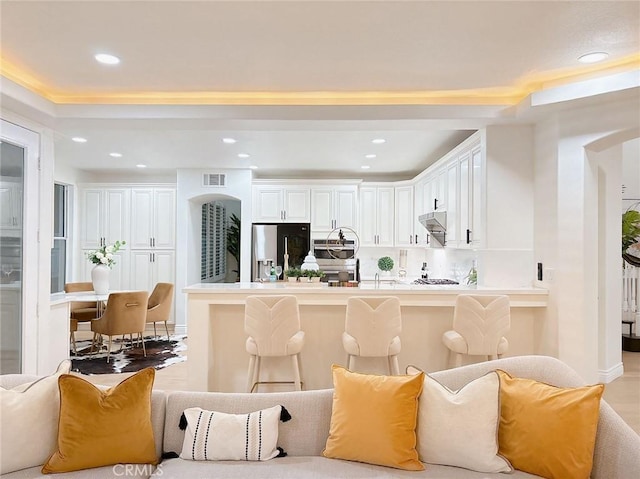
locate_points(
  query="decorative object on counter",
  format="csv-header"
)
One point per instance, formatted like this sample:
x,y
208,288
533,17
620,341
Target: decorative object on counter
x,y
233,242
351,237
424,272
103,258
385,264
402,264
310,263
313,276
293,274
472,277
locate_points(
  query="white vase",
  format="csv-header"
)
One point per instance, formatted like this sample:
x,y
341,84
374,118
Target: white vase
x,y
100,278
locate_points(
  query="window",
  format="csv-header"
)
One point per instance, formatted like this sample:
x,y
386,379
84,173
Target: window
x,y
213,263
59,250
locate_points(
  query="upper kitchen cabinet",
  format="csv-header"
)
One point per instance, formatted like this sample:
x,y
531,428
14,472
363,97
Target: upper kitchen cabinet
x,y
405,218
436,190
104,216
281,204
376,215
471,180
11,200
334,207
153,218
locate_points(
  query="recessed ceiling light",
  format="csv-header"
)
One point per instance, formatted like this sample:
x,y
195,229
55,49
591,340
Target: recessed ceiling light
x,y
253,167
115,155
229,140
365,167
593,57
141,166
243,155
378,141
79,139
107,59
371,155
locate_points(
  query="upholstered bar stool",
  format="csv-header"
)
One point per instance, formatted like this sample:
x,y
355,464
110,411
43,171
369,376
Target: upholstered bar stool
x,y
273,326
479,325
372,328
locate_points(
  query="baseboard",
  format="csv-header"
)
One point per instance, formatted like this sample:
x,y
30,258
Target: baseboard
x,y
180,329
608,375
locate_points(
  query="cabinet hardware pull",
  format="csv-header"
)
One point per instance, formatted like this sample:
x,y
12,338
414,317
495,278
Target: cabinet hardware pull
x,y
410,239
428,238
435,203
468,236
154,242
416,239
150,242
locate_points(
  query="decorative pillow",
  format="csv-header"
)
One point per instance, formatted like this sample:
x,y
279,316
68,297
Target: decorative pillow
x,y
100,428
29,421
217,436
460,428
373,419
547,430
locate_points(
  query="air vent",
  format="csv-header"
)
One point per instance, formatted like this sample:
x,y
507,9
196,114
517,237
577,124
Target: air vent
x,y
214,179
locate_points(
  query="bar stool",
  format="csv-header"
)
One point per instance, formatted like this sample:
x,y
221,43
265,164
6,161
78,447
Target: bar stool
x,y
479,325
273,326
372,328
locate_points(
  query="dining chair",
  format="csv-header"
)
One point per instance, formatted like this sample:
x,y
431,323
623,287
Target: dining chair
x,y
159,309
80,311
126,313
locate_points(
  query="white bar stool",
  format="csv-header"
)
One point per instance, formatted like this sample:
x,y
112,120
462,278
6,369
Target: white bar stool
x,y
479,325
372,328
273,326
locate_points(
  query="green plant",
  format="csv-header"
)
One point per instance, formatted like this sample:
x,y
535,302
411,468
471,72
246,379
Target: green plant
x,y
293,272
105,254
385,263
472,277
233,240
630,228
308,273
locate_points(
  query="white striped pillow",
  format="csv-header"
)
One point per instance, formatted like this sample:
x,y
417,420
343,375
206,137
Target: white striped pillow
x,y
217,436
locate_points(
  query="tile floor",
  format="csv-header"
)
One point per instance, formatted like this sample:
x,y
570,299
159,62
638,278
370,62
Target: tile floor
x,y
623,394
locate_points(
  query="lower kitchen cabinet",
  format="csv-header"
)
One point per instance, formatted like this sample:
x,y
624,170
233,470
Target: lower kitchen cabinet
x,y
151,267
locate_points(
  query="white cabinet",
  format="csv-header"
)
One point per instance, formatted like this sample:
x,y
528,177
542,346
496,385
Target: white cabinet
x,y
436,190
474,236
151,267
153,212
277,204
104,216
118,275
334,207
376,215
405,218
451,204
11,201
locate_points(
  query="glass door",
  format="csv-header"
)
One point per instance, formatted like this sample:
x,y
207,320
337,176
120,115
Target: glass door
x,y
12,169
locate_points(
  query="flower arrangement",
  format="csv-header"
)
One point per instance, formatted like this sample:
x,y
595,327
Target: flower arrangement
x,y
104,255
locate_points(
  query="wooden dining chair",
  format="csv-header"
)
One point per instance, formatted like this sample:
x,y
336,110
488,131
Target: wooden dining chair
x,y
126,313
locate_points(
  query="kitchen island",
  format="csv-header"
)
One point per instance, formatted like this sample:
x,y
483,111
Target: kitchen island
x,y
218,360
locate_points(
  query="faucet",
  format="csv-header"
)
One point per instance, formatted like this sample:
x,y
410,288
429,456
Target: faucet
x,y
377,279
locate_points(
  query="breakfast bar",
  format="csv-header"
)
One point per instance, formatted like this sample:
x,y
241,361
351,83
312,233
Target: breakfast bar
x,y
218,360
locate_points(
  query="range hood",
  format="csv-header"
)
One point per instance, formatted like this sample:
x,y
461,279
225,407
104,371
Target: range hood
x,y
436,224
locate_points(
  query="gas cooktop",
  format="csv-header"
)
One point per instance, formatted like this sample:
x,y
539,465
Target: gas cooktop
x,y
434,281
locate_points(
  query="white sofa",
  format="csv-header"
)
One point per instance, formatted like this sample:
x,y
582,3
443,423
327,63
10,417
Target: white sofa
x,y
303,438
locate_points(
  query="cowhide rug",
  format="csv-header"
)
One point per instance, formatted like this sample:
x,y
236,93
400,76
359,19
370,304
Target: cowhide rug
x,y
160,354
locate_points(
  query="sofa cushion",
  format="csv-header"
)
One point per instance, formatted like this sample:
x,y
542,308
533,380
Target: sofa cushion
x,y
99,428
547,430
29,421
374,419
460,428
218,436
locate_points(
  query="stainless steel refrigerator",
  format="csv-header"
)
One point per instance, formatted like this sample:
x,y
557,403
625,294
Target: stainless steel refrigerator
x,y
269,242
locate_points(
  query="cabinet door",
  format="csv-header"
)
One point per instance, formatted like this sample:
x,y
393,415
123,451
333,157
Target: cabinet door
x,y
141,277
297,207
322,208
116,215
91,219
465,231
419,231
476,196
268,205
368,212
164,265
164,218
439,190
142,216
385,216
404,216
453,213
7,211
346,207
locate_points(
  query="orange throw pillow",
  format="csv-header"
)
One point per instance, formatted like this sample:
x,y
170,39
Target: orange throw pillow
x,y
547,430
100,428
374,419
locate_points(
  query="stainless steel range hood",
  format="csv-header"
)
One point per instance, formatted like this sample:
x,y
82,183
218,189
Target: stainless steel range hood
x,y
436,224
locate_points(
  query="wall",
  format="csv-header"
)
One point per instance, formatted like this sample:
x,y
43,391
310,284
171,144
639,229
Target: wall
x,y
631,170
189,199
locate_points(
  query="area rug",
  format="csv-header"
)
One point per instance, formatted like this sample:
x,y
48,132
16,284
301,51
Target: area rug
x,y
160,354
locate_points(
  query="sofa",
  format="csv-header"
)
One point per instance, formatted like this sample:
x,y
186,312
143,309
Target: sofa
x,y
303,438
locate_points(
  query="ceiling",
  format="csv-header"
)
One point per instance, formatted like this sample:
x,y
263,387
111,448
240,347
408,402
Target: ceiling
x,y
303,86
